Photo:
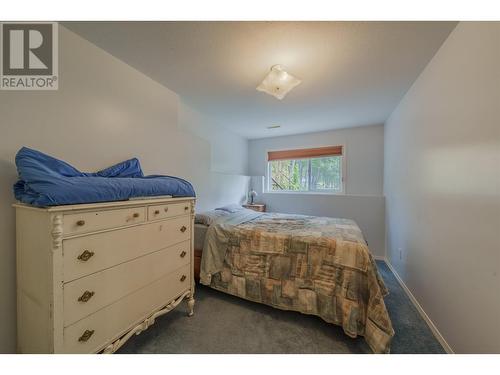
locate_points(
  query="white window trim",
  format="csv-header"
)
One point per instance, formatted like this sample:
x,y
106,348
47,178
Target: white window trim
x,y
268,190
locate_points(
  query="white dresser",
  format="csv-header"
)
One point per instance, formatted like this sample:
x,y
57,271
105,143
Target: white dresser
x,y
91,276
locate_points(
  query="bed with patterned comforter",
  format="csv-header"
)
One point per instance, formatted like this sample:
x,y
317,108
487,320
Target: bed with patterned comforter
x,y
315,265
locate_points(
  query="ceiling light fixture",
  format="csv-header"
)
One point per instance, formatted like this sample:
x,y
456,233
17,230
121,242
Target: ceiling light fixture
x,y
274,127
278,82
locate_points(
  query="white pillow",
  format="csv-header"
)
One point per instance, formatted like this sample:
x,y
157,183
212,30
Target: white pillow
x,y
209,217
231,208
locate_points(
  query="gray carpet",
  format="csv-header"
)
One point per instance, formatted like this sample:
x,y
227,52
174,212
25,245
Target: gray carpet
x,y
227,324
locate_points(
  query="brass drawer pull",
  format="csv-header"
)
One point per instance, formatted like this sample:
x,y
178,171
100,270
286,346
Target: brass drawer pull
x,y
165,209
157,212
186,208
183,278
183,229
136,214
86,335
80,223
183,254
86,296
86,255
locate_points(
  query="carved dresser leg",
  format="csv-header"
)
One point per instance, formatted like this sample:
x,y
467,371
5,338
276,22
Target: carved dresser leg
x,y
190,304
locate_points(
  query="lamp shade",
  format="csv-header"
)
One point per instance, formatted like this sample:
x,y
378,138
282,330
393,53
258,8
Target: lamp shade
x,y
278,82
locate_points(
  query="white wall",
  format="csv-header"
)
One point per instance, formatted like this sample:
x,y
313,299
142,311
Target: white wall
x,y
104,112
364,148
229,151
442,187
363,201
227,181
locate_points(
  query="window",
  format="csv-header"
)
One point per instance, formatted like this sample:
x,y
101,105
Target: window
x,y
318,170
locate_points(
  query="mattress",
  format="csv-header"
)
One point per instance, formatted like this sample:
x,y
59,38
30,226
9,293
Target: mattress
x,y
200,232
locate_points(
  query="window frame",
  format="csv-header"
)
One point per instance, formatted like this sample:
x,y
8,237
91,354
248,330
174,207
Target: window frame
x,y
343,173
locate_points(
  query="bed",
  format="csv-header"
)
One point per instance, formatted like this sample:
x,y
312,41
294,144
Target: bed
x,y
200,232
314,265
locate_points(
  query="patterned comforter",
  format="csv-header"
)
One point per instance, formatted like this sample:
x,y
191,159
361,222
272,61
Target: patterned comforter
x,y
315,265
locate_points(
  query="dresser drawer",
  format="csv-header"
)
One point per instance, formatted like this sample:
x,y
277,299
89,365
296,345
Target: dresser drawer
x,y
85,296
163,211
114,320
88,254
98,220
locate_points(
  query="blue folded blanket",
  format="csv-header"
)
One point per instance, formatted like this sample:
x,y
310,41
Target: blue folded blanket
x,y
47,181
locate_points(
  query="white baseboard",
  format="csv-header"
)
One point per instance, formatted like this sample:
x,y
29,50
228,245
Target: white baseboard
x,y
419,308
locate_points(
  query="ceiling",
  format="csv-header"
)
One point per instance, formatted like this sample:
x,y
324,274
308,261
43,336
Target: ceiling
x,y
353,73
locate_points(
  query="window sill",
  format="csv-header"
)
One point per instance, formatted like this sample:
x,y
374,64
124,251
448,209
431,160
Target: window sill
x,y
305,192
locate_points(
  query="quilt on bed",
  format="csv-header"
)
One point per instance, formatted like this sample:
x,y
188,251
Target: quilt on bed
x,y
315,265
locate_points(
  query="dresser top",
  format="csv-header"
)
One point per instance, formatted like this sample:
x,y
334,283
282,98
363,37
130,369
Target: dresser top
x,y
94,206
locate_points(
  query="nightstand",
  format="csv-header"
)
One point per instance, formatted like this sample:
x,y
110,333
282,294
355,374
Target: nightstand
x,y
260,207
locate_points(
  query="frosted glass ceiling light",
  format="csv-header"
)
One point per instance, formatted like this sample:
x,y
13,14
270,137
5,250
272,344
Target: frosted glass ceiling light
x,y
278,83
